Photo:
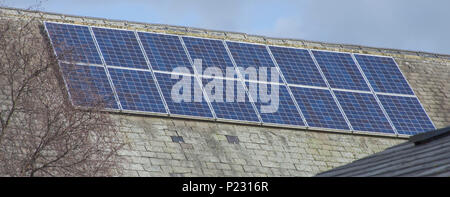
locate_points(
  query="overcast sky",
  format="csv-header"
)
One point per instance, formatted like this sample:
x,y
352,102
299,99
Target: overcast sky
x,y
421,25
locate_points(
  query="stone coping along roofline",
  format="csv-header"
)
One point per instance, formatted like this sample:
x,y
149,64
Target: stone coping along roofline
x,y
235,36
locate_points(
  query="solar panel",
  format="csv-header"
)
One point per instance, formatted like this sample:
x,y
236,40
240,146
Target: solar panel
x,y
211,52
297,66
319,108
174,83
363,112
73,43
406,114
88,86
239,108
137,90
340,70
164,52
120,48
383,74
277,109
252,56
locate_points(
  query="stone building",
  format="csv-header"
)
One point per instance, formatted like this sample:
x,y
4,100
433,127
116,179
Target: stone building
x,y
213,148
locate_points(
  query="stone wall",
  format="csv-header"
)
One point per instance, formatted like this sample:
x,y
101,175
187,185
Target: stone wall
x,y
261,151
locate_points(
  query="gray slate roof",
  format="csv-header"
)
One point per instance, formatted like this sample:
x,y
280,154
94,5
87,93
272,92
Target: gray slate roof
x,y
426,154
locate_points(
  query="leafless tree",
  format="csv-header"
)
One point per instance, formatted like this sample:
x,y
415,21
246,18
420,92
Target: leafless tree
x,y
42,133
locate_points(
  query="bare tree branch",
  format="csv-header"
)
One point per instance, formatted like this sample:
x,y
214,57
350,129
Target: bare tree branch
x,y
41,132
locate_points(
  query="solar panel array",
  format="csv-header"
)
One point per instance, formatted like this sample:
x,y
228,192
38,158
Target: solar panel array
x,y
142,72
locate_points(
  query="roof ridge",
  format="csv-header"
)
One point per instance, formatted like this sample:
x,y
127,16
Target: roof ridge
x,y
425,137
284,41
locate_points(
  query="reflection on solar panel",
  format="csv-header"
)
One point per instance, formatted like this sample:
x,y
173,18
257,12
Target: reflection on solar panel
x,y
297,66
239,109
73,43
211,52
120,48
178,106
88,86
340,70
278,110
383,74
164,52
363,112
319,108
136,90
252,56
130,78
406,114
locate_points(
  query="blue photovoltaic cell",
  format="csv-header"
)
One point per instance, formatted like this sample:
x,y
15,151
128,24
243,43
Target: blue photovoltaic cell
x,y
73,43
406,114
137,90
88,86
297,66
164,52
120,48
275,105
238,108
190,106
255,57
340,70
319,108
383,74
211,52
363,112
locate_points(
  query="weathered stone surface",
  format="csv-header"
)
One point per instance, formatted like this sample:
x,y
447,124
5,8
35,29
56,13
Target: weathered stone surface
x,y
269,152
